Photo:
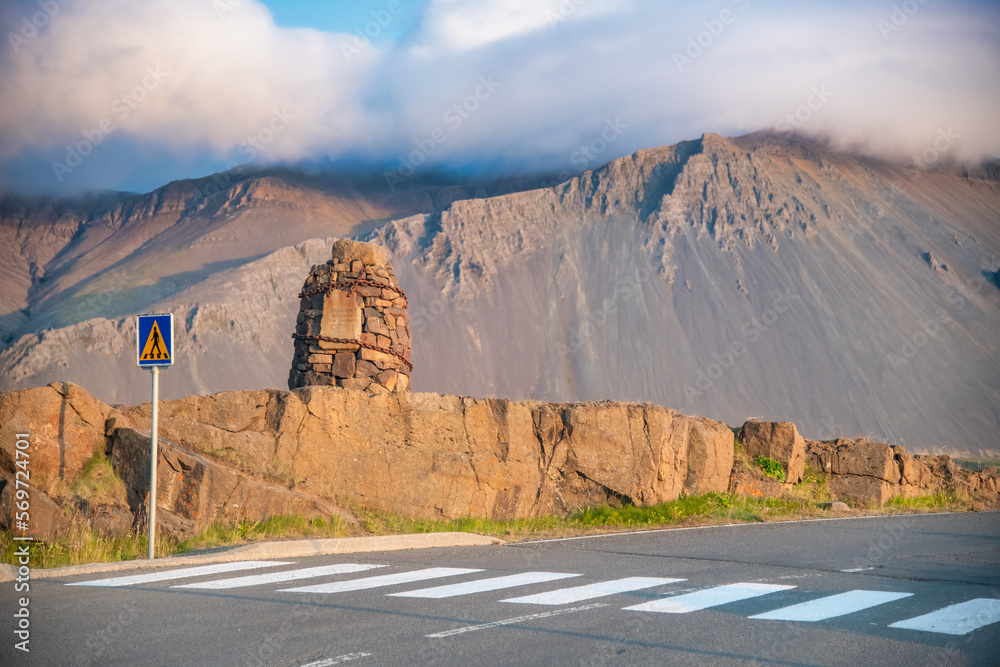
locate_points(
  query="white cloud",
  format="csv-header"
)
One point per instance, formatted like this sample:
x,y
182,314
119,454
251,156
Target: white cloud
x,y
462,25
219,79
751,64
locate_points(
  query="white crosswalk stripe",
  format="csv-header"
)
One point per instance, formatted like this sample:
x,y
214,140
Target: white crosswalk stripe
x,y
165,575
277,577
832,606
956,619
591,591
710,597
482,585
382,580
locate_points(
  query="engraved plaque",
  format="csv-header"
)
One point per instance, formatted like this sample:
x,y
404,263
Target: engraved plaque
x,y
342,317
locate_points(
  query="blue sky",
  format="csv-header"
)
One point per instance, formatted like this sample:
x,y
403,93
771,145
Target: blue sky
x,y
130,94
338,16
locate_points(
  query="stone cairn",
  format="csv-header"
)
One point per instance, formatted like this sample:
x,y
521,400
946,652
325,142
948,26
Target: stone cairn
x,y
353,330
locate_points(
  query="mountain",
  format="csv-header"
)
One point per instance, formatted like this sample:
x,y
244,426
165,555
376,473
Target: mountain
x,y
765,275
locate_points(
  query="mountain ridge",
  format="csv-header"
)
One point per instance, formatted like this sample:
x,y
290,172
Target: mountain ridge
x,y
634,281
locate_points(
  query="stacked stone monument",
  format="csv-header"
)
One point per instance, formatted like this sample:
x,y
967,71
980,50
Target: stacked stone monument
x,y
353,330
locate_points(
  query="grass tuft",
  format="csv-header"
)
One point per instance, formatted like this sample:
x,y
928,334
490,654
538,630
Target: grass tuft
x,y
770,467
84,545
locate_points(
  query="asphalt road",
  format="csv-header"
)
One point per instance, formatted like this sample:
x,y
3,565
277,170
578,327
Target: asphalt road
x,y
905,590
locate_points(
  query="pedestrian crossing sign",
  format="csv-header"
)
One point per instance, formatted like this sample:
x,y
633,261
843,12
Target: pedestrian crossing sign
x,y
154,340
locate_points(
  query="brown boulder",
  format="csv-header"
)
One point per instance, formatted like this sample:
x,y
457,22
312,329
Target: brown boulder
x,y
195,490
779,441
46,521
710,456
863,458
65,427
234,426
819,455
752,482
862,489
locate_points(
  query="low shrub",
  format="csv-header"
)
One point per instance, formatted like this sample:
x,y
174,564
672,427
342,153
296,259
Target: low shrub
x,y
770,467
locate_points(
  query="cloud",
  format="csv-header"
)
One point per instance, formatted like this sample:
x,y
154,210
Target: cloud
x,y
216,79
882,79
461,25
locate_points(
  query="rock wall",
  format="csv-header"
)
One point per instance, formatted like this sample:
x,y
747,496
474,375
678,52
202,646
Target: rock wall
x,y
433,456
254,454
352,330
874,472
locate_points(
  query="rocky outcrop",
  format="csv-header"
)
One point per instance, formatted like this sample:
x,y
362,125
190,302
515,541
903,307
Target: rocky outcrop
x,y
779,441
194,490
438,456
255,454
65,427
258,453
873,473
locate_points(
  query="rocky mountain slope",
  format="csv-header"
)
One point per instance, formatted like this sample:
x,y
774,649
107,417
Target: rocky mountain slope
x,y
732,278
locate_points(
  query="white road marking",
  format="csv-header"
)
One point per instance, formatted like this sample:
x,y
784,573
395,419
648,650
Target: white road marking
x,y
482,585
858,569
380,581
336,661
956,619
832,606
181,574
590,591
710,597
519,619
275,577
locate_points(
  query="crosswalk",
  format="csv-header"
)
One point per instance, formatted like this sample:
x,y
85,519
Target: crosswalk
x,y
955,619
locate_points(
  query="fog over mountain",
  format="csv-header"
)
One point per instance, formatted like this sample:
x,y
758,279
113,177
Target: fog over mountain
x,y
766,275
128,95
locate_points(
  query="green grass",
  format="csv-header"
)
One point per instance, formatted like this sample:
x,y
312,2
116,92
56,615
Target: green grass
x,y
707,508
84,545
96,484
222,533
770,467
940,500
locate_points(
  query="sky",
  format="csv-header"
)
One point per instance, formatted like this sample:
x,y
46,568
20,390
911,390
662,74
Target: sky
x,y
131,94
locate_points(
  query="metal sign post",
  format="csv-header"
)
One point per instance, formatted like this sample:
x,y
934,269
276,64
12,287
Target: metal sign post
x,y
154,437
154,347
